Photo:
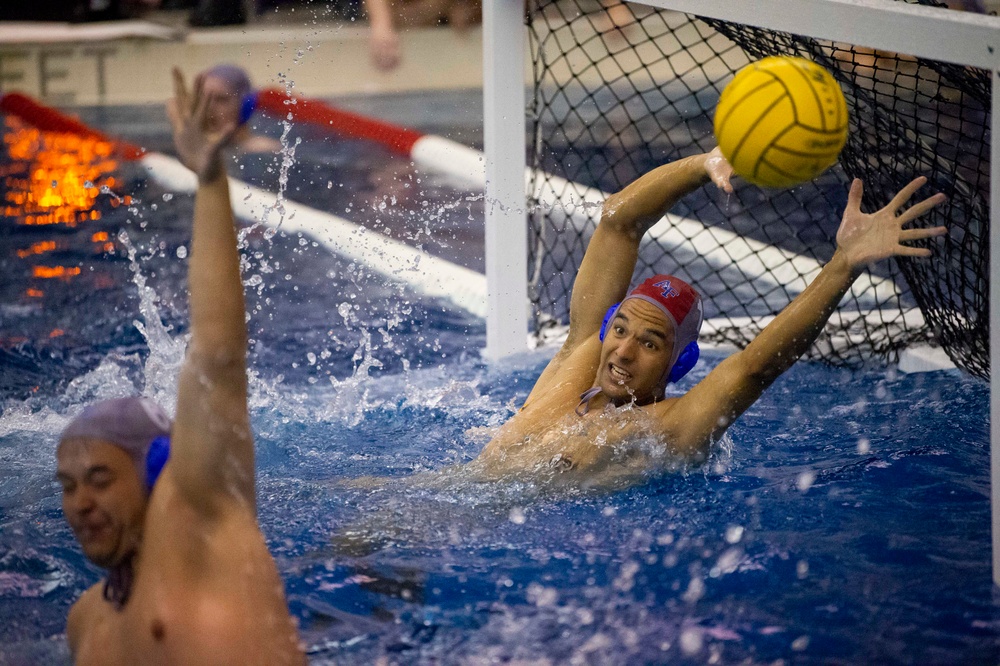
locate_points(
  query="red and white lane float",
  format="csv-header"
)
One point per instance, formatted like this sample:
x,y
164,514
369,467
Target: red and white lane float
x,y
579,206
393,259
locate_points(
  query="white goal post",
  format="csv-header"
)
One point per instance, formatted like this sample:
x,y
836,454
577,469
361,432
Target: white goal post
x,y
940,34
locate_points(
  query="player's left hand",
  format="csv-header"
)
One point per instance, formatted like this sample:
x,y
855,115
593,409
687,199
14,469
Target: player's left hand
x,y
868,237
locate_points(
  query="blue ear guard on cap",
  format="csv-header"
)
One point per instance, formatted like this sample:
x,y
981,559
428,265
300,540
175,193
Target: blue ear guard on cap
x,y
247,107
608,316
685,360
156,458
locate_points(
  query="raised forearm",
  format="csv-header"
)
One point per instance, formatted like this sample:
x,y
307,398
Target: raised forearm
x,y
211,458
608,264
643,202
212,446
736,383
793,331
218,326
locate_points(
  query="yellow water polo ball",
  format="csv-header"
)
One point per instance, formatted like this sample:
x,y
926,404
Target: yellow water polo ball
x,y
781,121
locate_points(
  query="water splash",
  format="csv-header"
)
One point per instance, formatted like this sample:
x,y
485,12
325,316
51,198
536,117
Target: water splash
x,y
166,353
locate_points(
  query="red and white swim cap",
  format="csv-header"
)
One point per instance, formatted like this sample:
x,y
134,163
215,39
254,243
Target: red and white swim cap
x,y
678,301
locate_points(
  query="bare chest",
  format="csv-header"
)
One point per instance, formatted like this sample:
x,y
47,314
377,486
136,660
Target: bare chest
x,y
201,596
554,439
164,627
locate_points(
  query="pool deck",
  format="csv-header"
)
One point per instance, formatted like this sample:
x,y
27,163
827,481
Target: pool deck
x,y
129,62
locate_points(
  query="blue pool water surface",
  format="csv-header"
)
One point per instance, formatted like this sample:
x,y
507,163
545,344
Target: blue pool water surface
x,y
845,519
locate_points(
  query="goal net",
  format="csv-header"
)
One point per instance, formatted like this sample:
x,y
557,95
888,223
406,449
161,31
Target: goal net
x,y
620,88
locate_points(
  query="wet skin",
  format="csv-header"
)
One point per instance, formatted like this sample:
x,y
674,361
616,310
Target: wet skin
x,y
223,105
194,578
627,430
604,447
103,499
204,589
635,354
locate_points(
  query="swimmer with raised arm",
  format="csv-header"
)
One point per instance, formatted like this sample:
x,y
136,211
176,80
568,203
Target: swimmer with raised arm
x,y
604,390
190,579
233,101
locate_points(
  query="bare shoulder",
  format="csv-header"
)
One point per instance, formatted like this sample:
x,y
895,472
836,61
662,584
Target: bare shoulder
x,y
674,425
82,614
571,368
668,414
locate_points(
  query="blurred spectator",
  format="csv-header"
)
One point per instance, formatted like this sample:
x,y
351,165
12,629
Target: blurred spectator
x,y
387,17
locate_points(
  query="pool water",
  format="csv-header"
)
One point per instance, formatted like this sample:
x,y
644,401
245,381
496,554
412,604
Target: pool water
x,y
845,519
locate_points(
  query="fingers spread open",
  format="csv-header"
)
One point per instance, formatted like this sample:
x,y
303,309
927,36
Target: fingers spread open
x,y
918,209
180,93
201,110
906,251
904,194
855,194
920,234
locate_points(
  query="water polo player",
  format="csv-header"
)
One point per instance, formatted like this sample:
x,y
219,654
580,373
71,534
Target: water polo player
x,y
598,413
233,101
190,579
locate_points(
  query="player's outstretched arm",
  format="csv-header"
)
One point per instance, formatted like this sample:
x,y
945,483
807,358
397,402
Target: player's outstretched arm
x,y
609,261
211,460
704,413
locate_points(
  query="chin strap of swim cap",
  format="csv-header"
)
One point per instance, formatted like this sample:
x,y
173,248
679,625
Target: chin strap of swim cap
x,y
248,106
156,458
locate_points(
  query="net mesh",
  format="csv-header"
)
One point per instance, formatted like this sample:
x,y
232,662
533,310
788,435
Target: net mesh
x,y
622,88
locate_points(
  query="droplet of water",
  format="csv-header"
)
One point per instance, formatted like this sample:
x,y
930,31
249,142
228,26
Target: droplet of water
x,y
516,515
695,590
734,534
805,480
167,196
690,640
182,252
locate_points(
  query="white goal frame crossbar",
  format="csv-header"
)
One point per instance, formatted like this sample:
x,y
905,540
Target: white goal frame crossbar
x,y
940,34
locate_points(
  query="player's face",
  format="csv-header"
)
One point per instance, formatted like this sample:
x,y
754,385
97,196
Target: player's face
x,y
635,353
224,105
103,499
